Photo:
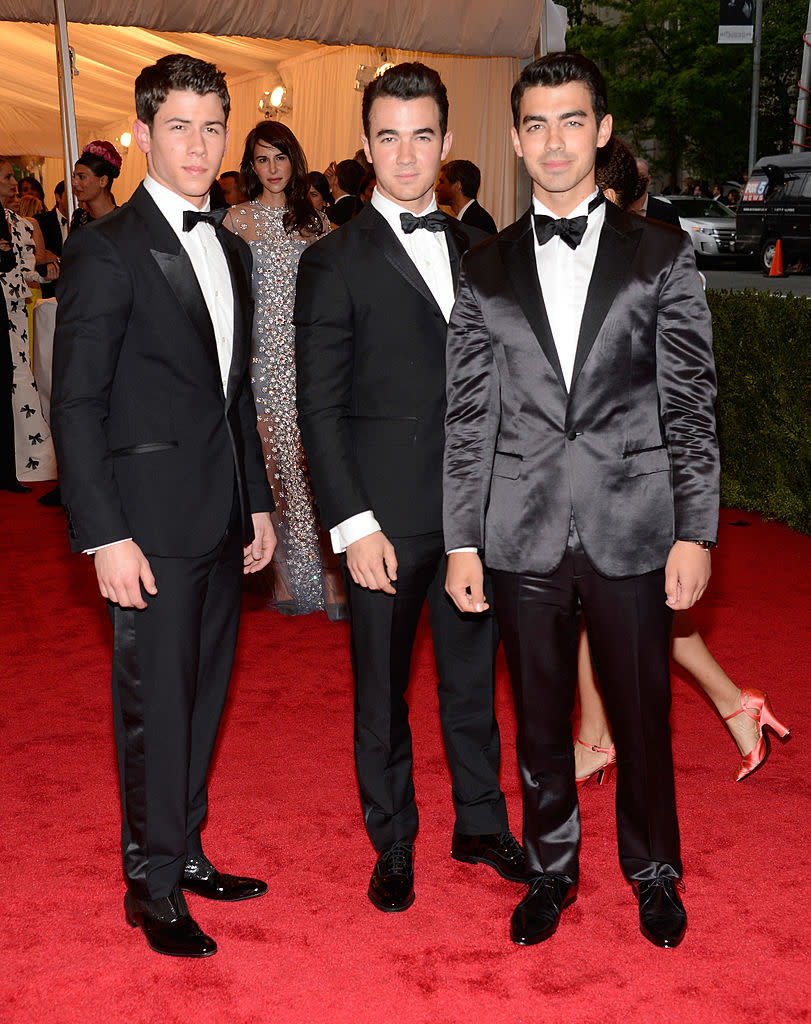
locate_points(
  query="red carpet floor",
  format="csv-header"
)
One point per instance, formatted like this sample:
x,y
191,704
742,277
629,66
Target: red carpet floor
x,y
284,806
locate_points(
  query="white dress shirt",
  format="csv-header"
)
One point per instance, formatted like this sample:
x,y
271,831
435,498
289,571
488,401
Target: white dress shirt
x,y
564,275
211,269
63,224
461,213
428,251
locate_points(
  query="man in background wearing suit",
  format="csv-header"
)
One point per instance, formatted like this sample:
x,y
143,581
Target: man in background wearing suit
x,y
650,206
457,186
581,459
372,302
163,480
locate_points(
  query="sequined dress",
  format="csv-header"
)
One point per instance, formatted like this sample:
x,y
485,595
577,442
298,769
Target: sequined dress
x,y
306,577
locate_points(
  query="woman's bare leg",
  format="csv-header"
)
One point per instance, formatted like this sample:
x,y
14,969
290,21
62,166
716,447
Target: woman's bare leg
x,y
594,728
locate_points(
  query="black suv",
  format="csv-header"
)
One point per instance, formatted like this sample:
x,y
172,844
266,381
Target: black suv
x,y
776,204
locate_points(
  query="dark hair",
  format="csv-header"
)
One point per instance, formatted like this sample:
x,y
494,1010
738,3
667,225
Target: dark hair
x,y
407,82
560,69
36,185
349,174
615,168
177,71
99,165
59,188
230,174
319,182
466,173
300,216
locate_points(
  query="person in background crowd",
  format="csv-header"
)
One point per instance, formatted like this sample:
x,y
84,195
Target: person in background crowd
x,y
367,187
232,189
8,465
32,439
348,175
30,186
319,193
650,206
93,176
372,302
162,476
457,186
617,175
279,223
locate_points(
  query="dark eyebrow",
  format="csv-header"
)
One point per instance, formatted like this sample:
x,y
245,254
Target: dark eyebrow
x,y
535,118
392,131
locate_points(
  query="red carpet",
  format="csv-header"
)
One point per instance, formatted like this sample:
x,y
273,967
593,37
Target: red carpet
x,y
284,806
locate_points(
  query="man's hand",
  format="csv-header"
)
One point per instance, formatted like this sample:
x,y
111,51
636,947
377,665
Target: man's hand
x,y
121,569
372,563
464,581
260,551
687,574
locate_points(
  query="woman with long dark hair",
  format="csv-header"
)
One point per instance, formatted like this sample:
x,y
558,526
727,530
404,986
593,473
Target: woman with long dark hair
x,y
92,180
278,223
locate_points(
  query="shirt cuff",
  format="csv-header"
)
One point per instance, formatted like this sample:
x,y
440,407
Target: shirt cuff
x,y
101,547
355,528
453,551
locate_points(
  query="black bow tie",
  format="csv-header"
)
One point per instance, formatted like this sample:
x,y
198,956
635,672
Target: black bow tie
x,y
212,217
571,231
434,221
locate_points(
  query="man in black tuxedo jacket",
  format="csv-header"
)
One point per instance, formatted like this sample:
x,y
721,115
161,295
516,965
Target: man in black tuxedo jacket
x,y
372,302
457,186
163,480
650,206
581,459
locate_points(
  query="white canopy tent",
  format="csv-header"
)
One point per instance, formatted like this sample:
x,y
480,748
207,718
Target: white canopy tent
x,y
310,47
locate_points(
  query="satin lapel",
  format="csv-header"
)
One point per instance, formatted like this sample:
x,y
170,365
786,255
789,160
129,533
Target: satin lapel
x,y
242,303
176,267
518,254
458,244
615,252
384,239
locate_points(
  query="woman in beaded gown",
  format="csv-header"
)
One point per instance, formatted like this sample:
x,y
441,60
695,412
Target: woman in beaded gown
x,y
279,223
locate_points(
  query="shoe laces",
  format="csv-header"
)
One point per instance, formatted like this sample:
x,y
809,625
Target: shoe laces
x,y
397,859
510,845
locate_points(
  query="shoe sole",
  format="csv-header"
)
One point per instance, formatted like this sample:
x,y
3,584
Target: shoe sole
x,y
389,910
469,859
546,935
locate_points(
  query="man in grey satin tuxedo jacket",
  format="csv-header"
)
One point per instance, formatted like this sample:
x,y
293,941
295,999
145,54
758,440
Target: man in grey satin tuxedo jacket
x,y
581,464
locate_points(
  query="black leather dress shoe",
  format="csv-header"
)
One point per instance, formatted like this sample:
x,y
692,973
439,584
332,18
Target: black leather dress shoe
x,y
391,887
662,918
168,926
502,852
537,915
202,878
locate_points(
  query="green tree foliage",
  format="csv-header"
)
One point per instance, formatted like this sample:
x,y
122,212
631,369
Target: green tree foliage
x,y
669,80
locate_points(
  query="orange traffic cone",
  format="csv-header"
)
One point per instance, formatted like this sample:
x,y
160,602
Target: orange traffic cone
x,y
776,269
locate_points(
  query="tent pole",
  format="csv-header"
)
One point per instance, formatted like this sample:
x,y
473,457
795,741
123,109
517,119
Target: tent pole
x,y
66,102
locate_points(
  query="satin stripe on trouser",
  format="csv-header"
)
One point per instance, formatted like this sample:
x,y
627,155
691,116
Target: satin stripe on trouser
x,y
629,627
382,636
171,666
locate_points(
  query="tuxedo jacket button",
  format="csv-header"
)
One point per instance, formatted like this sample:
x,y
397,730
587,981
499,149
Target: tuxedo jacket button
x,y
571,435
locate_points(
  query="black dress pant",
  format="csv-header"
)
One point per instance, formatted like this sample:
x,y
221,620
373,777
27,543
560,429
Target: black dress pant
x,y
629,626
383,628
171,666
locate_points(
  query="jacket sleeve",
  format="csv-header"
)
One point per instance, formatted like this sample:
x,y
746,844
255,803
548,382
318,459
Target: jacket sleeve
x,y
95,298
471,422
325,363
686,383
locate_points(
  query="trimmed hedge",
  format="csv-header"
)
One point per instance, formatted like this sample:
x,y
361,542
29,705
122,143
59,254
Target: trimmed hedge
x,y
761,352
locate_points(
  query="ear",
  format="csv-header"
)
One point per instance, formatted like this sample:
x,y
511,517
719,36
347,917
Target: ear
x,y
365,143
447,142
611,195
605,130
516,141
142,136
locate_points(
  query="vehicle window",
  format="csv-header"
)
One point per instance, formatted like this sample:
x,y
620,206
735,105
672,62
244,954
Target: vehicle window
x,y
692,206
805,191
794,185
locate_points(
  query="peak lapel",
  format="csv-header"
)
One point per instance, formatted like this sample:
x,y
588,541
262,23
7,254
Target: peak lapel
x,y
518,254
615,253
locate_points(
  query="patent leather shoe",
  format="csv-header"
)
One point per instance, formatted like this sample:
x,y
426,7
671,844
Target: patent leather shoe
x,y
202,878
168,926
662,918
537,915
391,887
501,851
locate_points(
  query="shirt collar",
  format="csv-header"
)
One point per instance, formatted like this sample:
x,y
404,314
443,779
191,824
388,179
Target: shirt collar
x,y
391,210
461,213
581,210
170,204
